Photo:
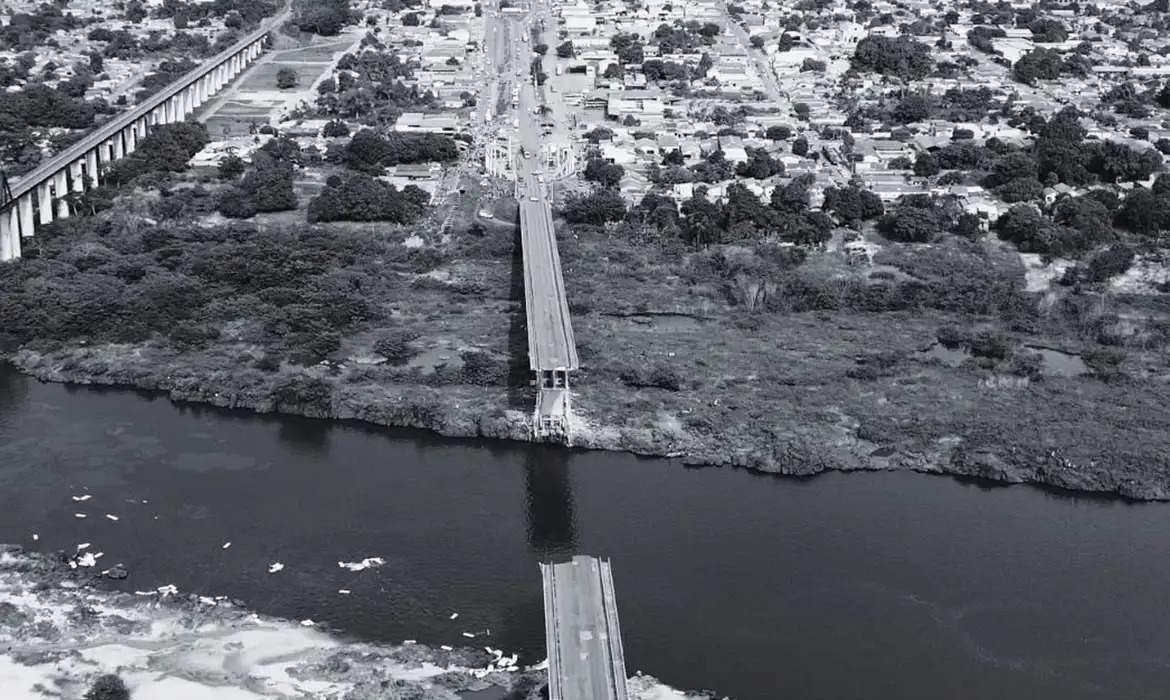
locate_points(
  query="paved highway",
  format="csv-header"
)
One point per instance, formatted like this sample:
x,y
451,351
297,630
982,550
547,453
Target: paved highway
x,y
585,651
550,330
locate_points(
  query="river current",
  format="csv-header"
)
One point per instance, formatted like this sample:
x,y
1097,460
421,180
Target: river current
x,y
886,585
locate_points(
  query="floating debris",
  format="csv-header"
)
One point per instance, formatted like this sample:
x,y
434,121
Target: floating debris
x,y
112,517
454,615
167,590
367,563
225,544
206,601
87,560
273,568
36,537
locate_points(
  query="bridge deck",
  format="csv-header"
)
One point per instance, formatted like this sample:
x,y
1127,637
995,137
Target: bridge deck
x,y
550,329
585,657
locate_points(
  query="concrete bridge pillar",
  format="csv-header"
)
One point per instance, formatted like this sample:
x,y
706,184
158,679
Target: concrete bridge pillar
x,y
106,152
27,221
91,166
130,138
9,235
76,177
45,203
60,189
118,150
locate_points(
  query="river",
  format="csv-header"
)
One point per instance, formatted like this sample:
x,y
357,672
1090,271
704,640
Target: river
x,y
876,585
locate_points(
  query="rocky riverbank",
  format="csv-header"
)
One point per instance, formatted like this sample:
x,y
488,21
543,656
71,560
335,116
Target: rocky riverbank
x,y
60,630
769,436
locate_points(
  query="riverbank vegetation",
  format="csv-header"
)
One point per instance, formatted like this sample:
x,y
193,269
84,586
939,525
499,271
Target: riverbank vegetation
x,y
765,334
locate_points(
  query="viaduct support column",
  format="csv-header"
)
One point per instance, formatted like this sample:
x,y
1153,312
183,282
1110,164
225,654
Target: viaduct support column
x,y
27,222
9,236
45,205
76,177
91,166
60,189
130,134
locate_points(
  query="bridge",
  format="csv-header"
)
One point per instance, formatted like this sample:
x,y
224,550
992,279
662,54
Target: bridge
x,y
552,350
43,195
585,656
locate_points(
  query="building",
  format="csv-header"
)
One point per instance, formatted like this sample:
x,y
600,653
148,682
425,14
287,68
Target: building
x,y
430,123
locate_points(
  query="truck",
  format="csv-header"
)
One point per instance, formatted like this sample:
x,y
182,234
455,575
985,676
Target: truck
x,y
516,123
560,70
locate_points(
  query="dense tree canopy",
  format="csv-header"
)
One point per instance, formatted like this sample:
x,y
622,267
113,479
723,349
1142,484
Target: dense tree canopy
x,y
902,57
360,197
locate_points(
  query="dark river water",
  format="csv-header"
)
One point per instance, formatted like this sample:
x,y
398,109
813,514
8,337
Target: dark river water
x,y
873,586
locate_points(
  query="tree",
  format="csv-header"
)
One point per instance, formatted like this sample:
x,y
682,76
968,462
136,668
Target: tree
x,y
853,204
911,225
540,49
108,687
324,17
811,65
1038,64
287,78
235,203
613,71
363,198
597,207
566,50
271,187
778,133
759,165
410,19
926,165
912,108
800,146
902,57
603,173
757,42
334,129
231,166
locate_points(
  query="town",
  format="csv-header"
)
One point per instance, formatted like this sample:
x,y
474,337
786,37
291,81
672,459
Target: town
x,y
791,239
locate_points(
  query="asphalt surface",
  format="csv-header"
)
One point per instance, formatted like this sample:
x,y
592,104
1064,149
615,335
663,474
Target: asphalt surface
x,y
550,330
582,663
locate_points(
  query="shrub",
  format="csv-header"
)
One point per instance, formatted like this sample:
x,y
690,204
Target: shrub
x,y
396,347
231,166
482,369
287,78
335,128
108,687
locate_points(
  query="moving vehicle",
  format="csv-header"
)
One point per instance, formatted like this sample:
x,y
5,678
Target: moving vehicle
x,y
527,153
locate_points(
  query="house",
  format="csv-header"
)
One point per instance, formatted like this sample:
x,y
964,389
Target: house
x,y
639,104
417,171
431,123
